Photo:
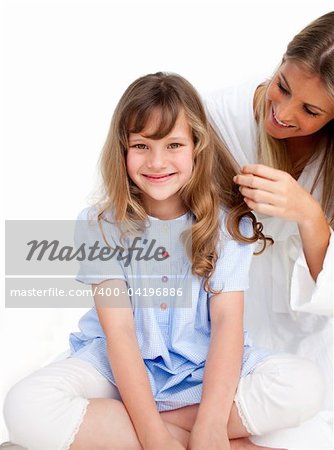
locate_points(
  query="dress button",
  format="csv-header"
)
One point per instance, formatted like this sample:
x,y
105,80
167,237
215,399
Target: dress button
x,y
163,306
164,278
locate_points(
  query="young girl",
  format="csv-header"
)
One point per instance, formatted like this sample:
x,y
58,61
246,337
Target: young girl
x,y
162,361
287,125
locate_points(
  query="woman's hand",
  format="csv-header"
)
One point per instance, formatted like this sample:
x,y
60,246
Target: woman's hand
x,y
207,438
275,193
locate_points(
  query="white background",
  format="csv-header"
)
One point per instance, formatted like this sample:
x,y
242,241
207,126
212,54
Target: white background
x,y
64,66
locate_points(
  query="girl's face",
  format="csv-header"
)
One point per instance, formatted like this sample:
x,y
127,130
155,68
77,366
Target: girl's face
x,y
161,167
297,103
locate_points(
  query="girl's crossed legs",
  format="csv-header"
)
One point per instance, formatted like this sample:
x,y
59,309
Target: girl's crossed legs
x,y
70,405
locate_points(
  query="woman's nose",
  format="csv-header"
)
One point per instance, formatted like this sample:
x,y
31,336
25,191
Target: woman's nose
x,y
285,112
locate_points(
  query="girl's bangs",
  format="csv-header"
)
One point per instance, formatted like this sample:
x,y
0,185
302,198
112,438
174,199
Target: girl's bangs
x,y
163,116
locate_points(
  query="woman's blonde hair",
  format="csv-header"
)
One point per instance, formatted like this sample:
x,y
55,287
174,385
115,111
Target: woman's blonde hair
x,y
168,95
313,48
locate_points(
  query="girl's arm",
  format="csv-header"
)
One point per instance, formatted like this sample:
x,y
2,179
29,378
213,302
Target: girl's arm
x,y
222,372
128,368
276,193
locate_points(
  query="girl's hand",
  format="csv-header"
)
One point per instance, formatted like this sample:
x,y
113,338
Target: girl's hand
x,y
168,443
208,439
173,444
275,193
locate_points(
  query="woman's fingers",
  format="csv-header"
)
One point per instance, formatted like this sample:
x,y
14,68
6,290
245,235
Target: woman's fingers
x,y
270,191
259,196
263,171
273,192
255,182
263,208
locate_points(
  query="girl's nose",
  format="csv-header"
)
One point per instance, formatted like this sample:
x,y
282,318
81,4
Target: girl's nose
x,y
157,159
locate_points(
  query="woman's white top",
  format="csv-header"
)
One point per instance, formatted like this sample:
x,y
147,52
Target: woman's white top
x,y
285,308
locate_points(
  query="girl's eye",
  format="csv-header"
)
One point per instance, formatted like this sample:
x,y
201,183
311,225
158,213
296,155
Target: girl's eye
x,y
311,113
282,88
174,146
140,146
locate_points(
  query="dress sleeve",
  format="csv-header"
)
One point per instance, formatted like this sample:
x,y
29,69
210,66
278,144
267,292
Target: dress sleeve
x,y
97,251
306,294
232,267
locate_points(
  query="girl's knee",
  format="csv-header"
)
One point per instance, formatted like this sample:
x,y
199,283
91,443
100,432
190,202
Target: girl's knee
x,y
282,392
16,407
301,387
307,387
30,406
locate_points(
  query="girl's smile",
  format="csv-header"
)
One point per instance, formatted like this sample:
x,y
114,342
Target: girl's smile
x,y
159,178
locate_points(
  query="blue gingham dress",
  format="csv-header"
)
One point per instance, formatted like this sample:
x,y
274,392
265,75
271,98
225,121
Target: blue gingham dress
x,y
172,321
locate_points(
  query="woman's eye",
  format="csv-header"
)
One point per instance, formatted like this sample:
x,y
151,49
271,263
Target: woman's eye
x,y
311,113
282,88
174,146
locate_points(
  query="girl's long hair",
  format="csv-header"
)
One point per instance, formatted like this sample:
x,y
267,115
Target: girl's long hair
x,y
312,48
210,185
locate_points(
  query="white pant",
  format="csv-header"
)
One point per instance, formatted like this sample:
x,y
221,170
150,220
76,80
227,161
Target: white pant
x,y
44,411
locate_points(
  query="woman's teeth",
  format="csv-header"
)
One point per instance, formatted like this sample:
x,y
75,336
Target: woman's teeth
x,y
282,124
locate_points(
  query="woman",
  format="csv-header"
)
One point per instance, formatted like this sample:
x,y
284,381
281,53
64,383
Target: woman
x,y
282,134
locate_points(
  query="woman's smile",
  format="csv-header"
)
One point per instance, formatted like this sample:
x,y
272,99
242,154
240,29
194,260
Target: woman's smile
x,y
278,122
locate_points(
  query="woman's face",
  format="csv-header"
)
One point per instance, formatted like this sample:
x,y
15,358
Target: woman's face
x,y
297,103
